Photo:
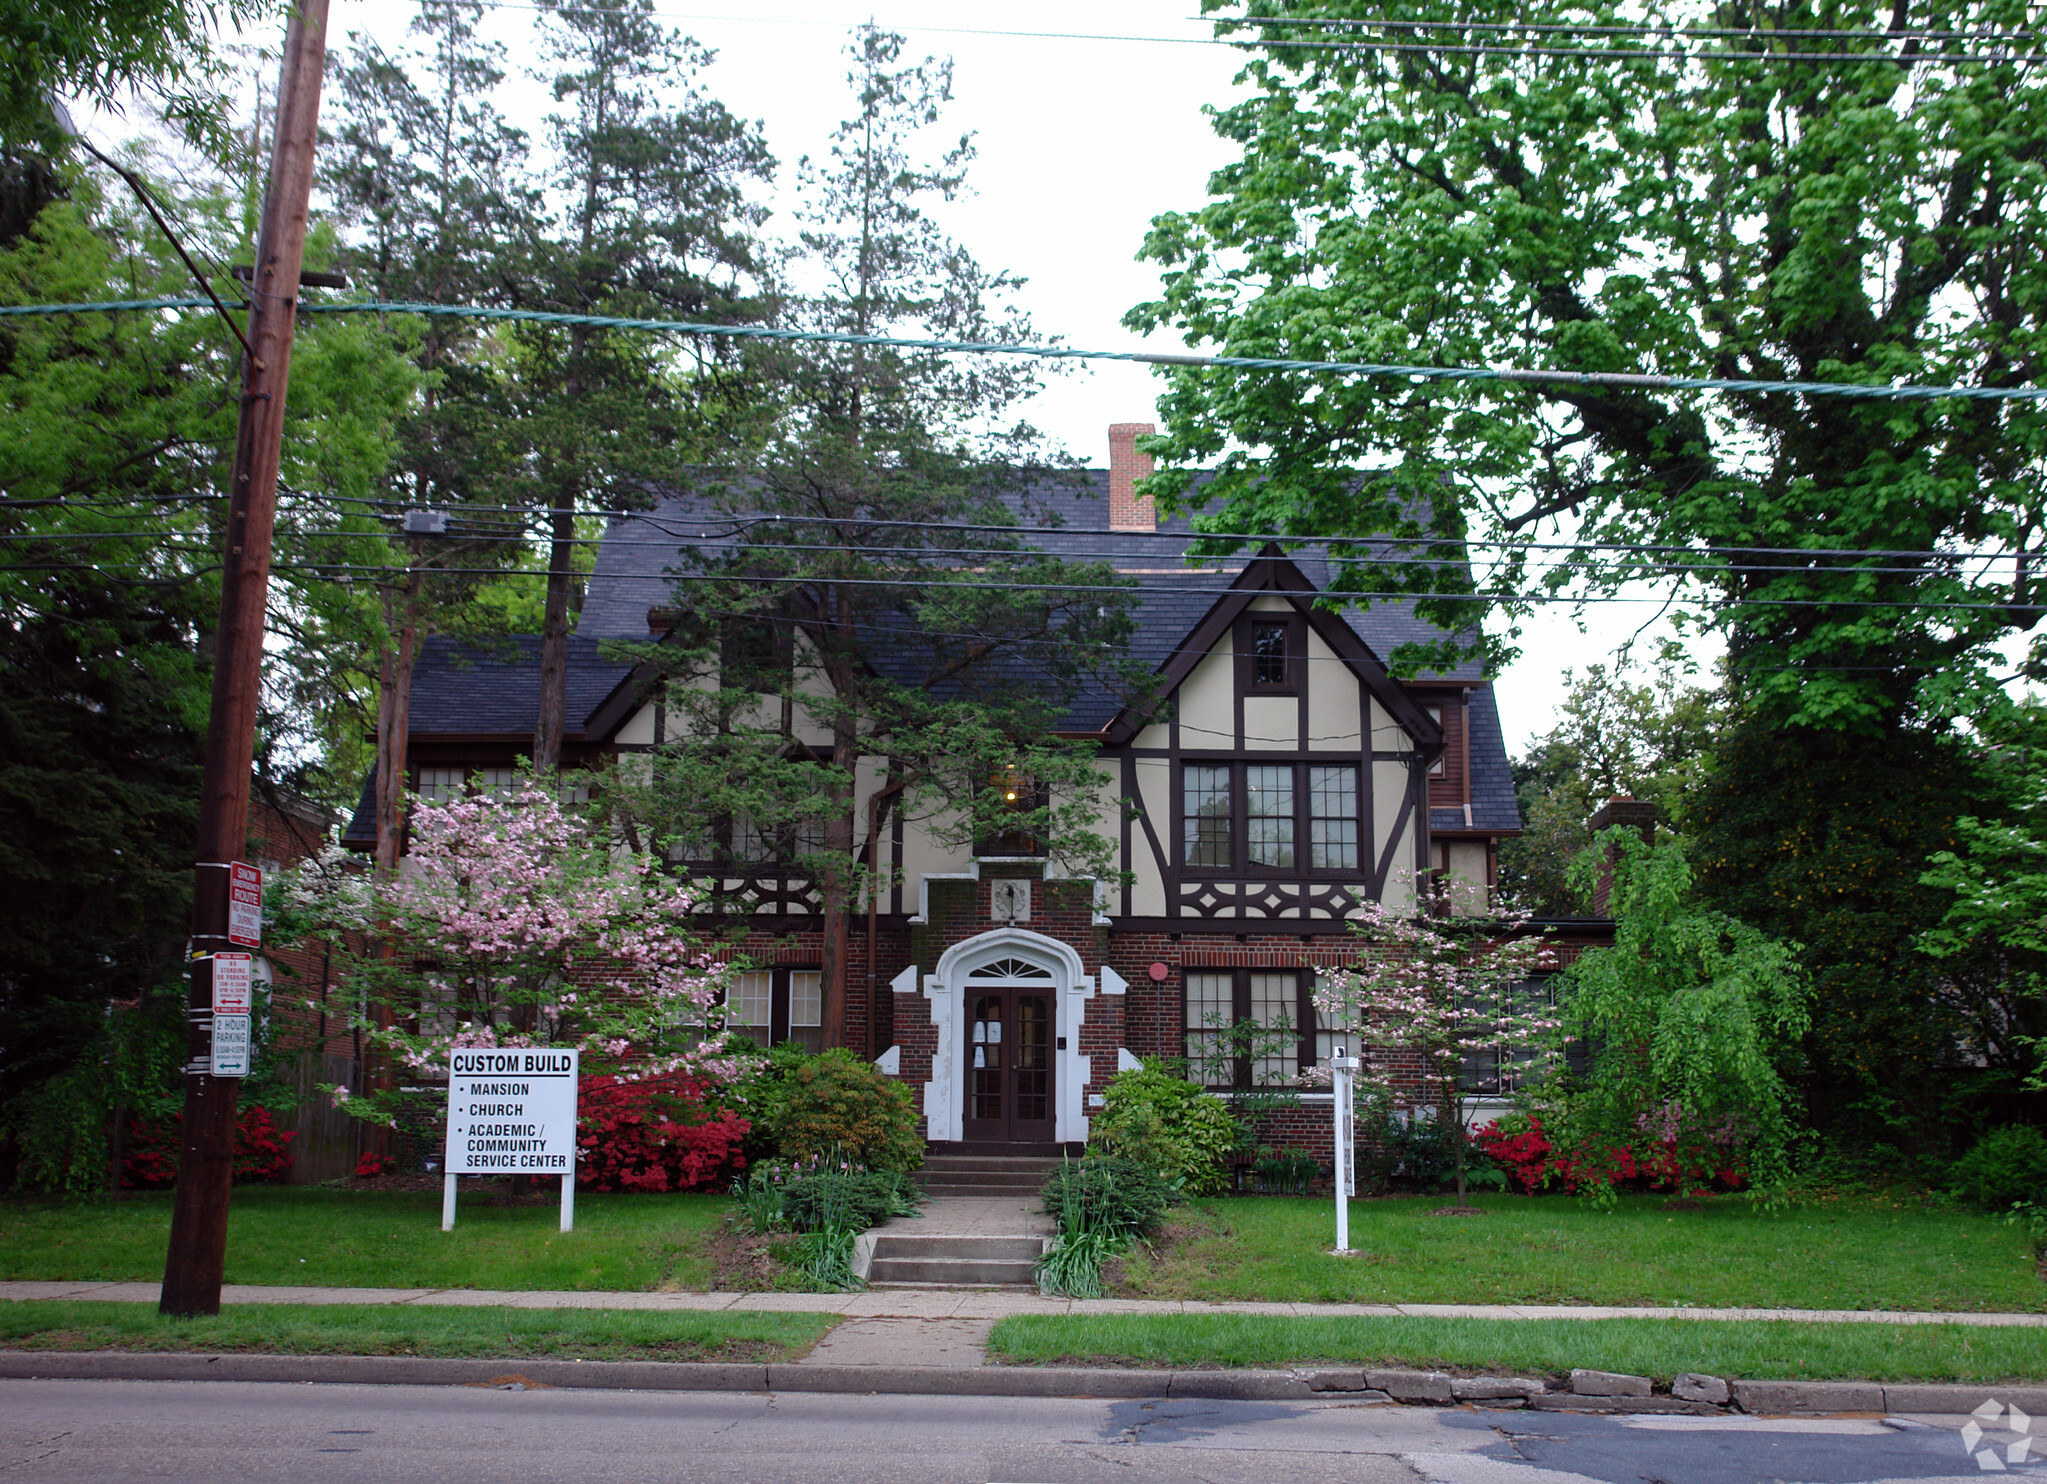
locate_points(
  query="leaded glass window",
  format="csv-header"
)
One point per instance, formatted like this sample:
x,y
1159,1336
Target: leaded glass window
x,y
1207,811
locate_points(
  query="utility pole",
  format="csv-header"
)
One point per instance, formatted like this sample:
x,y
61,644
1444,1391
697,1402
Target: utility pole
x,y
198,1249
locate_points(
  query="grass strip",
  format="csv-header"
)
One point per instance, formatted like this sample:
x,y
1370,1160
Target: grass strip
x,y
1749,1349
443,1332
1851,1252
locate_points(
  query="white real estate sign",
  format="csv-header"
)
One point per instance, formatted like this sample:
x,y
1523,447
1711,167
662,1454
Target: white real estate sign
x,y
512,1111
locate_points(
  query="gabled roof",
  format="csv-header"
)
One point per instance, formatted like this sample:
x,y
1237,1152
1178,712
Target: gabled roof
x,y
490,687
1069,511
1272,573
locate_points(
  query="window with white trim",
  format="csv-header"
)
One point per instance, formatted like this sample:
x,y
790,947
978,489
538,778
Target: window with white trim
x,y
772,1007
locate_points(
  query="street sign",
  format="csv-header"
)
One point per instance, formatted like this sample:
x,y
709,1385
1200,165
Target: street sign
x,y
230,1045
245,904
234,983
512,1111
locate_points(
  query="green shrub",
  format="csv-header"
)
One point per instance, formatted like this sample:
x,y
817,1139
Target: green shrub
x,y
1114,1195
2008,1165
1168,1124
855,1198
832,1105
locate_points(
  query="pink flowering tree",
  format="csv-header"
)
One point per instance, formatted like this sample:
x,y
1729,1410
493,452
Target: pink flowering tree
x,y
1435,993
519,922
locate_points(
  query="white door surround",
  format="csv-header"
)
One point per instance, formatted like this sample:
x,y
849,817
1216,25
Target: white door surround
x,y
944,1094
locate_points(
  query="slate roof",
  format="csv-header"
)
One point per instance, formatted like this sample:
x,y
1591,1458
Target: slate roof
x,y
493,685
490,686
1493,805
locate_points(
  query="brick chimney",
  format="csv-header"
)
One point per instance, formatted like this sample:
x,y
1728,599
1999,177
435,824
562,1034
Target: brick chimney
x,y
1622,810
1127,510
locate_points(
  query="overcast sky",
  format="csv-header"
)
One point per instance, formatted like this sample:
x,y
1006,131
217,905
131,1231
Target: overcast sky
x,y
1082,140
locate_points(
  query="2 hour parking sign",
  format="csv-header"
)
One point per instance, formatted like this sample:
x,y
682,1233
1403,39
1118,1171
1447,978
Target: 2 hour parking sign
x,y
512,1111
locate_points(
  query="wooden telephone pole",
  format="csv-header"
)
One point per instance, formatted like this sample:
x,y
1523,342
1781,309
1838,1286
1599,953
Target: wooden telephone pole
x,y
198,1248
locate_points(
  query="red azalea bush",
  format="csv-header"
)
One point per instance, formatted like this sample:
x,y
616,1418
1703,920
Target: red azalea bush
x,y
373,1164
656,1134
149,1154
1518,1145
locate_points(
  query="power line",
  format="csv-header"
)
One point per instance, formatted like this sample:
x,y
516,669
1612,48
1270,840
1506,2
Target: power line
x,y
1576,28
739,524
1357,44
1611,380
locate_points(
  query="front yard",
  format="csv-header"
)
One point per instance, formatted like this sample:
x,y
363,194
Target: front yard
x,y
381,1239
1845,1253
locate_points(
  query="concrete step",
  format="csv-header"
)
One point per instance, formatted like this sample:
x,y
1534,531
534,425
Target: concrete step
x,y
1034,1169
948,1187
994,1249
952,1271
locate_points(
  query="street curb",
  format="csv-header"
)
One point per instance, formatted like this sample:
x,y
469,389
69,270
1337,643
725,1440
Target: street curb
x,y
1764,1397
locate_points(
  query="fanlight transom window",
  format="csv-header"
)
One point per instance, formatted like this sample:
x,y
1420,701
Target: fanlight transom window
x,y
1011,968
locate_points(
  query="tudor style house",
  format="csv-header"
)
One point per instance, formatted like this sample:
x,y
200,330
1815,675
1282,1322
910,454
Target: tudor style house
x,y
1286,774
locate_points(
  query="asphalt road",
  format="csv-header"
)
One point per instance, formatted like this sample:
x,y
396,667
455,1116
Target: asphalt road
x,y
238,1433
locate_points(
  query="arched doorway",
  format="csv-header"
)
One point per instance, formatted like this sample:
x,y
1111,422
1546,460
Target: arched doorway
x,y
1009,1021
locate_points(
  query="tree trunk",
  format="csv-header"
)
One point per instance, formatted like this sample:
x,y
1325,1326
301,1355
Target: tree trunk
x,y
394,727
552,721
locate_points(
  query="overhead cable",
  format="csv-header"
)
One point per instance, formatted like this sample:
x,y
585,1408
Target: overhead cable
x,y
1604,380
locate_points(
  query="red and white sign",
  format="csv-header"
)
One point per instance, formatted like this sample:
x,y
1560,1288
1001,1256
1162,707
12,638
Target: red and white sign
x,y
234,983
245,904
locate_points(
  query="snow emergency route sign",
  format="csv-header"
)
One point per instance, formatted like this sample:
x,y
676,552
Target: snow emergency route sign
x,y
512,1111
245,904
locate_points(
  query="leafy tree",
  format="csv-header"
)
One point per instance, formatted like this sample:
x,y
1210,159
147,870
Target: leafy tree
x,y
1990,944
1647,740
113,455
651,186
434,182
105,49
1691,203
1822,838
1694,1019
881,597
1441,993
520,925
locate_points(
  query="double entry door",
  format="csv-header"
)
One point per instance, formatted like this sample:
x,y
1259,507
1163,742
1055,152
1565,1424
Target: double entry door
x,y
1009,1047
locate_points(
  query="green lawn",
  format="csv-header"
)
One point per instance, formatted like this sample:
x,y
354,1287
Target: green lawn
x,y
379,1239
1842,1254
364,1329
1751,1350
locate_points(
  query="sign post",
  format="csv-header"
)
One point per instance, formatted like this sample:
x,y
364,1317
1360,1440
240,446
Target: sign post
x,y
1345,1162
512,1111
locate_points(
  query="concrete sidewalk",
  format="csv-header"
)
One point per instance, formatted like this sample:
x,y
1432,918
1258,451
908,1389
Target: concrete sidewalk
x,y
968,1303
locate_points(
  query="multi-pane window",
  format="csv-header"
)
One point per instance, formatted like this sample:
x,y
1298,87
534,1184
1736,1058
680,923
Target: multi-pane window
x,y
1503,1067
1210,813
1269,814
1332,817
1252,817
1268,656
1243,1026
496,780
774,1006
1271,654
439,785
